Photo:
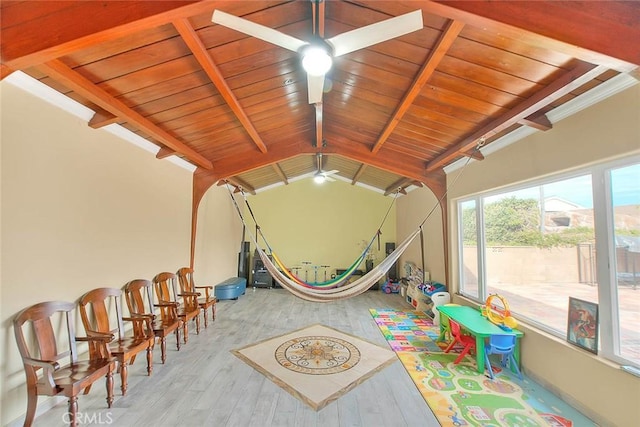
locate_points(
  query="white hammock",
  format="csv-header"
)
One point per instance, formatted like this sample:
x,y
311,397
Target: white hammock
x,y
349,290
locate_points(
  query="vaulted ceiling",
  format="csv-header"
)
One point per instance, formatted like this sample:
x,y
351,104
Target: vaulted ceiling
x,y
392,114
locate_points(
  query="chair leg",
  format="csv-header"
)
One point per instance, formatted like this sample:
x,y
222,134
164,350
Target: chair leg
x,y
163,349
150,359
178,338
32,405
124,372
462,354
185,331
450,346
487,363
213,312
204,315
514,365
73,410
198,324
109,383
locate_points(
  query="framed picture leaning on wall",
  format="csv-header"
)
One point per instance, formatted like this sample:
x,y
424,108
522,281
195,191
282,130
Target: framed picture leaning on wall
x,y
582,325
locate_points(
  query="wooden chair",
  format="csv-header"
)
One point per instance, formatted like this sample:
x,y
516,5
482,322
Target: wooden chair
x,y
94,310
42,353
165,287
138,294
187,284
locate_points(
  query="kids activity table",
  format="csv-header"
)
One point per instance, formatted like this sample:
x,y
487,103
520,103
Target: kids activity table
x,y
478,326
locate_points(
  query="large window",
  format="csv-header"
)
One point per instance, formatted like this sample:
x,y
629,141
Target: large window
x,y
539,244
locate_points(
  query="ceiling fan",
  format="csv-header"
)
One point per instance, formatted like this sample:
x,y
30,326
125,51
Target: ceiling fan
x,y
317,55
321,175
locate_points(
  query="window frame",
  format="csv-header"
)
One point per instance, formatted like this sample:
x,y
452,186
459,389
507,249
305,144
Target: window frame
x,y
604,244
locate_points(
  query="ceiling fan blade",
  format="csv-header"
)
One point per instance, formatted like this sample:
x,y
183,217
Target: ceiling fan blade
x,y
316,86
256,30
376,33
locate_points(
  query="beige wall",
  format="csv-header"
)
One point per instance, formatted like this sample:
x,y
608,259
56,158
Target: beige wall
x,y
218,238
412,210
80,209
609,129
323,224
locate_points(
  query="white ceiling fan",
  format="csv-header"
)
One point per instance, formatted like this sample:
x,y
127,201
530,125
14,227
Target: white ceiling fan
x,y
317,56
321,175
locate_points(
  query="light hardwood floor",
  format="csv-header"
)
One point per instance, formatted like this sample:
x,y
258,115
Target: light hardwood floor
x,y
204,384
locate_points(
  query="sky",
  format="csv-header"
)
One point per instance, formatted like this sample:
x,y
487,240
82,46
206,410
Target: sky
x,y
625,184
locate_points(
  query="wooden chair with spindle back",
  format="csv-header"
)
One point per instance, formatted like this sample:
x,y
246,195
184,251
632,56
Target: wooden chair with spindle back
x,y
40,350
206,302
165,287
97,320
139,296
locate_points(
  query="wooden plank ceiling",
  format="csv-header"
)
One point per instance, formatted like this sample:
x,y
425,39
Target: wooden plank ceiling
x,y
393,114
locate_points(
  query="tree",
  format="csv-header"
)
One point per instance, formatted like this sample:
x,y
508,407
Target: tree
x,y
516,222
511,221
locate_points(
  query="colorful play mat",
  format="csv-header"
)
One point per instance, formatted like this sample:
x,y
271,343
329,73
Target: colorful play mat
x,y
460,396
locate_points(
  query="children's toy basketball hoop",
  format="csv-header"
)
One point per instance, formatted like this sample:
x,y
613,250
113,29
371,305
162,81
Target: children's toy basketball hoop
x,y
499,315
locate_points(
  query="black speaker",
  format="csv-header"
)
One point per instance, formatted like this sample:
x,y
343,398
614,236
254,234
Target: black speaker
x,y
260,276
392,274
243,261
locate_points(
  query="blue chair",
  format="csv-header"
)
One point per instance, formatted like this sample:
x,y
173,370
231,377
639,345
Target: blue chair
x,y
504,345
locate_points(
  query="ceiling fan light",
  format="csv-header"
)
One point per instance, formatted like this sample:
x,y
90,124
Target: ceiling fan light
x,y
319,178
316,61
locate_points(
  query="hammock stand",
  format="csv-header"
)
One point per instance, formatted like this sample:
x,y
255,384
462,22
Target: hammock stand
x,y
333,293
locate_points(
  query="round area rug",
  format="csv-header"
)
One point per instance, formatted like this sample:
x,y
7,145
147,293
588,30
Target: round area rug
x,y
317,355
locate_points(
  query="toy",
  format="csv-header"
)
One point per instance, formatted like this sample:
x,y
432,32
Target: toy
x,y
430,288
500,316
390,287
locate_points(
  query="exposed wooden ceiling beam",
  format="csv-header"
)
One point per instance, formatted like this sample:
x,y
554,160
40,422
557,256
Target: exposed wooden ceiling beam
x,y
102,118
74,81
358,174
242,184
281,174
393,162
5,71
598,32
581,74
164,152
319,142
398,185
245,162
200,52
537,121
74,25
443,45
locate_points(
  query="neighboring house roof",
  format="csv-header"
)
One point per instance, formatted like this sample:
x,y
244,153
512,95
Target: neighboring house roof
x,y
558,204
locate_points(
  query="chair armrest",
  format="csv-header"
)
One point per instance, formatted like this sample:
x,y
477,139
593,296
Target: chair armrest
x,y
96,335
140,315
206,290
166,304
98,344
48,368
103,338
189,294
44,364
140,322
